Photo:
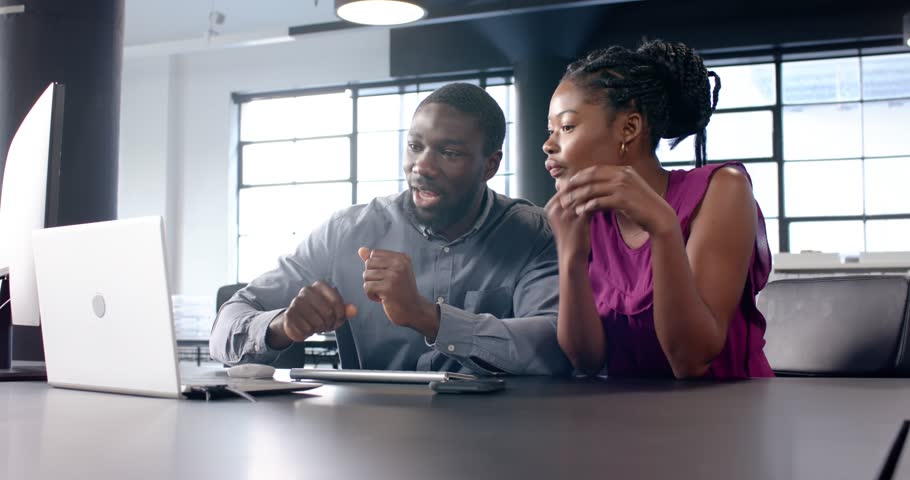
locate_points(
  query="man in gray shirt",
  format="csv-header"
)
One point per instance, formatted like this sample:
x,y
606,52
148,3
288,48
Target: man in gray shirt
x,y
446,276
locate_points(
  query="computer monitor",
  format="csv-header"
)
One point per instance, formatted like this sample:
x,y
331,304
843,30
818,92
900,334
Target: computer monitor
x,y
29,200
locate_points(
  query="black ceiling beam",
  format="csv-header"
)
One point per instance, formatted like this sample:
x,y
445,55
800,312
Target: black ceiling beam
x,y
446,13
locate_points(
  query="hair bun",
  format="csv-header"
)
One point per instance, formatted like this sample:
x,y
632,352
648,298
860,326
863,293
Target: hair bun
x,y
690,102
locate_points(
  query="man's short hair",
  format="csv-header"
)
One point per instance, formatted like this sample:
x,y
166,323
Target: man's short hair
x,y
475,101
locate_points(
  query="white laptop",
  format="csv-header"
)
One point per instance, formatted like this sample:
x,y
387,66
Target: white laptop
x,y
106,312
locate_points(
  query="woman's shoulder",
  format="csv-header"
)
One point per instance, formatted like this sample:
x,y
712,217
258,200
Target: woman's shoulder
x,y
730,178
727,200
722,182
692,185
728,172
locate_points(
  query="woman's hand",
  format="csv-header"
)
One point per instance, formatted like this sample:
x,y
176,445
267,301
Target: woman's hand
x,y
580,331
619,188
572,231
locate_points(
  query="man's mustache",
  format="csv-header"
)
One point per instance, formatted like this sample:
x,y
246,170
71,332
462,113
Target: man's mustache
x,y
424,184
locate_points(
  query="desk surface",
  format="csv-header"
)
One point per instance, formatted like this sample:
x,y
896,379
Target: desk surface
x,y
538,428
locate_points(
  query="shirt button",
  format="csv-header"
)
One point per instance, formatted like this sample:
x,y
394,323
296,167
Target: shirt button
x,y
446,249
440,299
451,348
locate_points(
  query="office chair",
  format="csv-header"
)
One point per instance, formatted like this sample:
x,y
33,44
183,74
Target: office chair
x,y
838,326
225,293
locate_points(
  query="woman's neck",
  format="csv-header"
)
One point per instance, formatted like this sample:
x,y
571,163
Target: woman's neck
x,y
650,170
658,178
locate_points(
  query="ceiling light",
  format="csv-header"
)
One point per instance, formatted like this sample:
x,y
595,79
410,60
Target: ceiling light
x,y
379,12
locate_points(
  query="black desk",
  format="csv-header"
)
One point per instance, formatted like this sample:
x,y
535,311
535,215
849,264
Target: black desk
x,y
538,428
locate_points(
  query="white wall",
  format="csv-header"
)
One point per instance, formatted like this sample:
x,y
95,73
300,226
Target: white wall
x,y
144,132
148,137
177,136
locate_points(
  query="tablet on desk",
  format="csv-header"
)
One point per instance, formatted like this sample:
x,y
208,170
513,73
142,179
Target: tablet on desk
x,y
376,376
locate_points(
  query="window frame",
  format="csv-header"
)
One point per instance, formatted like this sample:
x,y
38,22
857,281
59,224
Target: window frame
x,y
778,57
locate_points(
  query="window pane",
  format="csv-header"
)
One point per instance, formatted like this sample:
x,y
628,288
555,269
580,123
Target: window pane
x,y
512,112
302,161
684,152
886,185
498,80
831,80
772,230
290,209
726,139
259,253
378,156
740,135
830,237
409,102
430,86
823,188
510,154
504,184
823,131
371,91
498,184
367,191
888,235
296,117
764,186
746,85
886,76
885,128
382,112
505,97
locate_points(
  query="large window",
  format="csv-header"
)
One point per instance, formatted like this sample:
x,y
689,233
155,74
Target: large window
x,y
825,139
305,154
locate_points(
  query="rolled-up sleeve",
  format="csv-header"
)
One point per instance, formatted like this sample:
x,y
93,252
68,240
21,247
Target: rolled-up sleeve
x,y
239,332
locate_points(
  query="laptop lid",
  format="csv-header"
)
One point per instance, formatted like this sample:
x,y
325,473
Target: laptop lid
x,y
105,305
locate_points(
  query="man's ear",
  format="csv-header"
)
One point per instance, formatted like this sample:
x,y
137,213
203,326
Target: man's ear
x,y
491,164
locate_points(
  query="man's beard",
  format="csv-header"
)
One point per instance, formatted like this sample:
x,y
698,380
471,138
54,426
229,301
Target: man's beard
x,y
442,216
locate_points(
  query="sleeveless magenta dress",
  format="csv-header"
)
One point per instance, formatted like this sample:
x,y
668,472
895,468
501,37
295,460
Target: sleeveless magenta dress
x,y
621,280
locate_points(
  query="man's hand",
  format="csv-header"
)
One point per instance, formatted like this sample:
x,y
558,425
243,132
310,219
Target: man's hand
x,y
388,278
317,308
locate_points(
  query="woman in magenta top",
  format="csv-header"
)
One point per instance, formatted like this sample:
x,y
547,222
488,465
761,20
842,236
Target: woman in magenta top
x,y
658,269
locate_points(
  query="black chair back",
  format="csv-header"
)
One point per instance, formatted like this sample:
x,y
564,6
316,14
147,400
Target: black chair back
x,y
225,293
838,326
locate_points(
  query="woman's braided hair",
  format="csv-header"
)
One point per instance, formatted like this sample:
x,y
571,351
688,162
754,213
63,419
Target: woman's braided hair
x,y
666,82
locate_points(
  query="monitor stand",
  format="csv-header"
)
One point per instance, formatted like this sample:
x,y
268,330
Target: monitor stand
x,y
15,370
23,371
11,370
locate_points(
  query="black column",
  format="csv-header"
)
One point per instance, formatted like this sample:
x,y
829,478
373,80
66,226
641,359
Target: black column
x,y
78,43
535,81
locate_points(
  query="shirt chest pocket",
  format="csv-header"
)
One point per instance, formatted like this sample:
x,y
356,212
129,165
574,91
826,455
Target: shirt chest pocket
x,y
496,302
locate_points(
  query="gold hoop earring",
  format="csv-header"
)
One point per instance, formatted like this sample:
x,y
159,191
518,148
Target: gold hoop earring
x,y
622,149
